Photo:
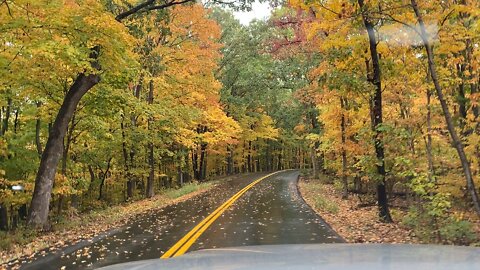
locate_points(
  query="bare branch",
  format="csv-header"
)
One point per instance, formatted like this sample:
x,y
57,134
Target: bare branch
x,y
8,7
147,6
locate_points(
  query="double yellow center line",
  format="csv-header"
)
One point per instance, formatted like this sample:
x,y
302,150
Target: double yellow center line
x,y
187,241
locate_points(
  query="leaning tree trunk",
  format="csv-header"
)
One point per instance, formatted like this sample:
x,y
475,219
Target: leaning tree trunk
x,y
38,214
377,117
457,143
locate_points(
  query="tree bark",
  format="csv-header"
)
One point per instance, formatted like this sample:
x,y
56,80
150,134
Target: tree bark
x,y
7,115
279,164
229,160
249,157
129,189
92,179
196,172
3,217
457,143
39,206
431,171
15,122
151,160
38,142
203,161
377,117
344,151
101,195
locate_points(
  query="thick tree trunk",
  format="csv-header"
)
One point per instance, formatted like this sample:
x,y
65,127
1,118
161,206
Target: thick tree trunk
x,y
38,214
457,143
377,117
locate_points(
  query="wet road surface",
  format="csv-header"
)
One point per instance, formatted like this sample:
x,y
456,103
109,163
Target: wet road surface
x,y
272,212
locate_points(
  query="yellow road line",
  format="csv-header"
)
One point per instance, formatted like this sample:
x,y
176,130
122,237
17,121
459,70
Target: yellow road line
x,y
187,241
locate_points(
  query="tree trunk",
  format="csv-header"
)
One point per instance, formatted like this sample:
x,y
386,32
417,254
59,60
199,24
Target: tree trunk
x,y
314,163
461,99
92,180
249,157
38,126
279,165
151,177
3,217
180,179
132,177
7,116
128,176
203,161
150,192
15,122
377,117
229,160
63,170
344,151
196,172
457,143
101,195
38,214
431,172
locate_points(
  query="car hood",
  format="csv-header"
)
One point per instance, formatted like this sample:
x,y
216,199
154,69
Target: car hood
x,y
319,256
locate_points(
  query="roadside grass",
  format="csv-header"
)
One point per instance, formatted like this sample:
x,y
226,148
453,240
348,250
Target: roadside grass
x,y
321,202
75,226
187,188
328,206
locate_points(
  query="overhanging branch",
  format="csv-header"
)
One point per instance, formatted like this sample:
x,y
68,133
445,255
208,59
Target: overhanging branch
x,y
147,6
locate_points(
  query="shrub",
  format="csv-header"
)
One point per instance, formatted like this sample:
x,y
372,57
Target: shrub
x,y
432,219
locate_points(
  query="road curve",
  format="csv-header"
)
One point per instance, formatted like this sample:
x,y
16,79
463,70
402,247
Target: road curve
x,y
271,212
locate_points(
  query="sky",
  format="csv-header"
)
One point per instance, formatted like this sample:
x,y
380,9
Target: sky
x,y
259,11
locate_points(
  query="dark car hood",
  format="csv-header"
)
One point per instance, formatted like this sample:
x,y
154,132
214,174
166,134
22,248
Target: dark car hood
x,y
320,256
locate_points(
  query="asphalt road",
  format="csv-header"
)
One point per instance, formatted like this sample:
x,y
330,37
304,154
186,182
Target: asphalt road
x,y
271,212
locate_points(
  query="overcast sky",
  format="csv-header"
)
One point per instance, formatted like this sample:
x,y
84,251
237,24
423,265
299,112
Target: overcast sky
x,y
259,11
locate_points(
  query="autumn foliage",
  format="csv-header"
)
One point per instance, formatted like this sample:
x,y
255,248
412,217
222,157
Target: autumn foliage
x,y
186,93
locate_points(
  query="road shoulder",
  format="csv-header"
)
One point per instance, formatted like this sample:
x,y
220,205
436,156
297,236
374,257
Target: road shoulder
x,y
354,223
98,223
